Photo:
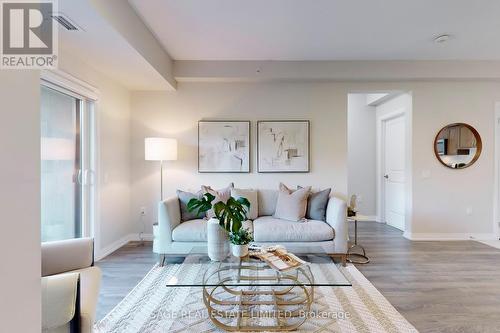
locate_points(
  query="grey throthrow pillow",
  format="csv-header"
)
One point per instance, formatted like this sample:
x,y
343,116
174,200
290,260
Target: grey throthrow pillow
x,y
316,204
184,198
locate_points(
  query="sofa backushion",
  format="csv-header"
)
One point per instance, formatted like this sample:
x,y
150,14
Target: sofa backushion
x,y
173,237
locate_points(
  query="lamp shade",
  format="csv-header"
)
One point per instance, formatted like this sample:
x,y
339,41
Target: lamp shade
x,y
160,149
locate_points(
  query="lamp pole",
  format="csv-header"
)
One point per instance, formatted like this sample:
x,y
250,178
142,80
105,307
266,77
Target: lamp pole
x,y
161,180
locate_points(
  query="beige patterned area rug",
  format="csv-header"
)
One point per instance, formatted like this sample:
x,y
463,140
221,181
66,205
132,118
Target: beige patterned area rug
x,y
153,307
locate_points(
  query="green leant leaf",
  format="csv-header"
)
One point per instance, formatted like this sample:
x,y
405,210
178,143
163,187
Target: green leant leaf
x,y
230,214
219,208
244,202
203,205
236,225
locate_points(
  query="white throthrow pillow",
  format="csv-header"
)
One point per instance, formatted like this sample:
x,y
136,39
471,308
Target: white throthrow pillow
x,y
292,205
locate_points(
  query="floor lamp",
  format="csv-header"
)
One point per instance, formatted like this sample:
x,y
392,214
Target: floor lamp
x,y
159,149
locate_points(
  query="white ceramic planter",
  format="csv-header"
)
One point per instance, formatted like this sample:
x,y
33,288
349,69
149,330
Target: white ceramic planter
x,y
239,250
217,241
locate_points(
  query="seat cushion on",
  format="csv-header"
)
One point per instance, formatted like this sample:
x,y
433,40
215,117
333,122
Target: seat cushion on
x,y
270,229
191,231
196,230
267,202
61,329
59,294
248,224
90,283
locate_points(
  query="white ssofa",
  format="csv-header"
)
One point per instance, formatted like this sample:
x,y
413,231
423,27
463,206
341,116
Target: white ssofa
x,y
171,236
